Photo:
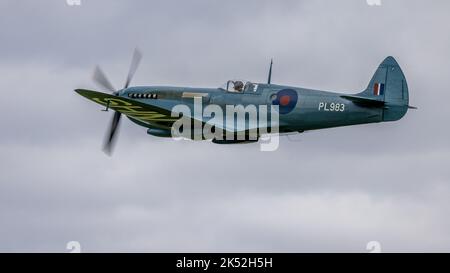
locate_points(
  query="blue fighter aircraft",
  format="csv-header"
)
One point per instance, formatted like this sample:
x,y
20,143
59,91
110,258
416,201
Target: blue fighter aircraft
x,y
297,109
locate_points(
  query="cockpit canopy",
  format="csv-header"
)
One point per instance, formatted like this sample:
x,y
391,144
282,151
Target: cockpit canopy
x,y
239,86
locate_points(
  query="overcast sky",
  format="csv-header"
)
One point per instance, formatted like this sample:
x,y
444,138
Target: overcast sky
x,y
328,190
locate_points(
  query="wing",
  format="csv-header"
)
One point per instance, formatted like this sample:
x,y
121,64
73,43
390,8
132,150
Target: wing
x,y
157,114
139,111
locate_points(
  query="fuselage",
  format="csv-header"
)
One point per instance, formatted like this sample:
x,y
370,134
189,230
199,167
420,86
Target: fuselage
x,y
312,109
243,111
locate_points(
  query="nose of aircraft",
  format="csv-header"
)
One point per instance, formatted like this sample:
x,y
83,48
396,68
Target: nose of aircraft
x,y
120,92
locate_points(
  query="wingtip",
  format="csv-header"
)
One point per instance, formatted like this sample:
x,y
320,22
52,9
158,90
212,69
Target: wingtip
x,y
82,91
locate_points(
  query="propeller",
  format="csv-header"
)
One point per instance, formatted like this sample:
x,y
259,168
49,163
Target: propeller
x,y
135,60
100,78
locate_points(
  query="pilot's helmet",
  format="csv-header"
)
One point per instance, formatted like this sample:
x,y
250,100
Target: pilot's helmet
x,y
238,85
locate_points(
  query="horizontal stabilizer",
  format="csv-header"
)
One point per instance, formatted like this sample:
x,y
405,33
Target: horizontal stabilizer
x,y
364,101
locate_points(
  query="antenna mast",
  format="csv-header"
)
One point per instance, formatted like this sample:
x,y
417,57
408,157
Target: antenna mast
x,y
270,72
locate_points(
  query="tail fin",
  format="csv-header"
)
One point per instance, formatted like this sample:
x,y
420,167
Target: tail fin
x,y
388,84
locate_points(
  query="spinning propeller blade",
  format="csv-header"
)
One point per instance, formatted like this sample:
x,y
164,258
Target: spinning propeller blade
x,y
110,138
135,60
100,78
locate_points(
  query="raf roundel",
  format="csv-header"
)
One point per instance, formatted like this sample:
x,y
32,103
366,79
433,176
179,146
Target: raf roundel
x,y
286,99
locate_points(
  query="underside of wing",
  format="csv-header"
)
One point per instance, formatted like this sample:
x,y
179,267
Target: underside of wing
x,y
134,109
159,114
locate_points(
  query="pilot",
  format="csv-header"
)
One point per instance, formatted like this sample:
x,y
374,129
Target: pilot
x,y
238,86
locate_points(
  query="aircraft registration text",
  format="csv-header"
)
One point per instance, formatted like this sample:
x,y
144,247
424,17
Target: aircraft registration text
x,y
331,107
